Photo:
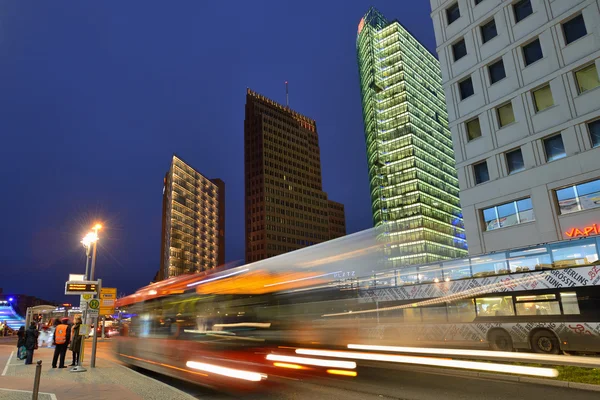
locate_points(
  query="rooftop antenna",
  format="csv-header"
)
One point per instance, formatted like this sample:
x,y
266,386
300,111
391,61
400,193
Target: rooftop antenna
x,y
287,95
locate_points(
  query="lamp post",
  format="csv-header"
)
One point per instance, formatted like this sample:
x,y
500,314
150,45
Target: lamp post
x,y
87,243
90,239
96,228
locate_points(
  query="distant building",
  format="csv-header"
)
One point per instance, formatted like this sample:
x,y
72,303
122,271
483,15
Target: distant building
x,y
337,219
193,221
286,208
413,182
523,92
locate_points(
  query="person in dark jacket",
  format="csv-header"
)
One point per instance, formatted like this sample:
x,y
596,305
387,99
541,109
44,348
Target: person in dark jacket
x,y
75,345
30,341
20,340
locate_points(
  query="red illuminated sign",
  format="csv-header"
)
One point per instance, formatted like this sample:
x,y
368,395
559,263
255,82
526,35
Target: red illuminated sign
x,y
593,229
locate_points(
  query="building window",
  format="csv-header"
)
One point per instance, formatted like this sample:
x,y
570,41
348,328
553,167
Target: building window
x,y
459,49
587,78
594,128
466,88
542,98
514,161
488,31
579,197
478,1
522,10
554,147
481,172
574,29
474,129
508,214
505,115
497,71
532,52
453,13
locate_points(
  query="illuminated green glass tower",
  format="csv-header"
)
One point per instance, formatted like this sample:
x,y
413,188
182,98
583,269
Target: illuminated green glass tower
x,y
413,181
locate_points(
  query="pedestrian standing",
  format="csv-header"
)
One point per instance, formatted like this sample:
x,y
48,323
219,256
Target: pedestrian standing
x,y
2,328
61,339
75,346
30,342
21,355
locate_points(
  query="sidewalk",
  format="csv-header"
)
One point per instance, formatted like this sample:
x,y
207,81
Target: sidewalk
x,y
108,380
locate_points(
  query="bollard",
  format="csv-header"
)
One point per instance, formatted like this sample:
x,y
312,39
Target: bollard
x,y
36,382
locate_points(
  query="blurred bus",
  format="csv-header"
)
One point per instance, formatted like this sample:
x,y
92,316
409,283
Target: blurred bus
x,y
543,298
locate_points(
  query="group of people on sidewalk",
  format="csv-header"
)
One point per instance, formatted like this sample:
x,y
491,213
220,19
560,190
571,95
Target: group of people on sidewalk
x,y
65,336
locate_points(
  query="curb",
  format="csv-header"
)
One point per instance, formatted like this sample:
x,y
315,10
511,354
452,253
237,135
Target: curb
x,y
500,377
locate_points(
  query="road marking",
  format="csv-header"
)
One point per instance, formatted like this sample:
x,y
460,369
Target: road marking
x,y
52,395
7,363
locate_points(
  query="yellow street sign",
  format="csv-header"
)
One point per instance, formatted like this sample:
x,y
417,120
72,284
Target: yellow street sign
x,y
108,296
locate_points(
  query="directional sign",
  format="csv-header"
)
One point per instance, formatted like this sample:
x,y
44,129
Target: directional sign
x,y
81,287
108,296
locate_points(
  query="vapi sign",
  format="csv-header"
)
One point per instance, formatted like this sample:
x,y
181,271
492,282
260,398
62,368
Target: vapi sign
x,y
593,229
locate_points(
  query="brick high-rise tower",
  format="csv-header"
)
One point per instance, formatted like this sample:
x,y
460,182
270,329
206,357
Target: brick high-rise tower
x,y
286,208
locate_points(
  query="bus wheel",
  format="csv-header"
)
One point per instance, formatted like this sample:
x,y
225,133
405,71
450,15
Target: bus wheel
x,y
544,341
500,340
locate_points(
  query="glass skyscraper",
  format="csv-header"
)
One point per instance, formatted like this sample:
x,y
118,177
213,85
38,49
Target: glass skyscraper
x,y
413,180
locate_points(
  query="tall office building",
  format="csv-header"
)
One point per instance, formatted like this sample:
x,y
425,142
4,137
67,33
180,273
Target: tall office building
x,y
414,188
286,208
193,222
522,86
337,219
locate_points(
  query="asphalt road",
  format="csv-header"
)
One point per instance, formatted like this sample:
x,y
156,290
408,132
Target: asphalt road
x,y
381,384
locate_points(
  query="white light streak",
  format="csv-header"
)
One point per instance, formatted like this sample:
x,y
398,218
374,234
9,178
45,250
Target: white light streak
x,y
312,361
438,362
218,277
229,372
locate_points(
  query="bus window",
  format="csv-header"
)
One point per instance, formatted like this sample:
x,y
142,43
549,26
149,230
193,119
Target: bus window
x,y
569,303
537,305
529,260
412,315
461,311
570,255
494,306
434,314
489,264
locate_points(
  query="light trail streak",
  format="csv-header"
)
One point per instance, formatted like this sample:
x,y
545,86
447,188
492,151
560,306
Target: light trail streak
x,y
312,361
437,362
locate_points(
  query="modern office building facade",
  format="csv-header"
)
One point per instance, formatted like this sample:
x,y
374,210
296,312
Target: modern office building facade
x,y
521,82
337,219
286,208
413,183
193,222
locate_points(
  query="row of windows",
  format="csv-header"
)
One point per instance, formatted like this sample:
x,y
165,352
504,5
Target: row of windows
x,y
573,29
263,107
275,171
586,78
285,132
291,142
579,197
521,10
557,255
554,149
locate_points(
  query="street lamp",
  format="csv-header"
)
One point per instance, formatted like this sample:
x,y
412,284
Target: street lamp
x,y
87,241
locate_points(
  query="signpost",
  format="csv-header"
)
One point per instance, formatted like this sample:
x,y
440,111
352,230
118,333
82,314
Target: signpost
x,y
108,296
93,308
86,289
